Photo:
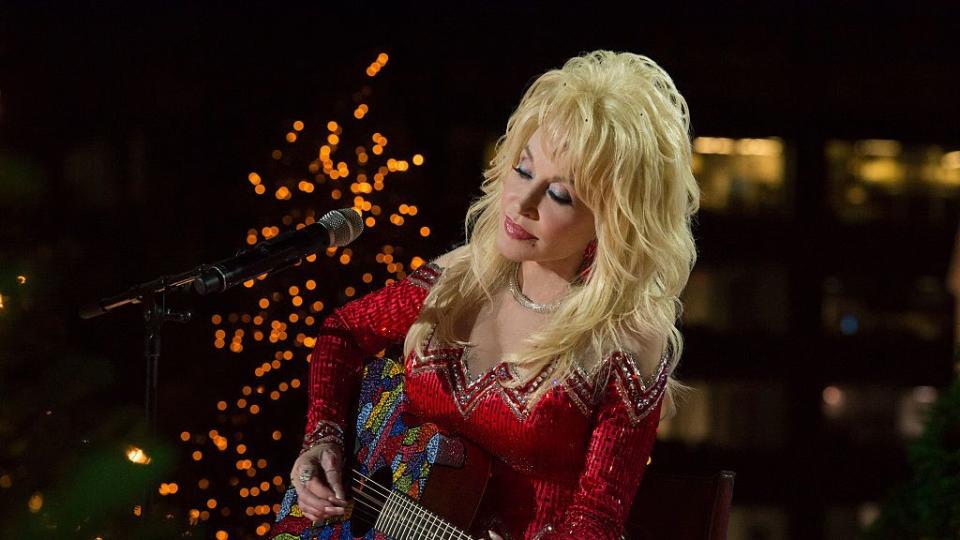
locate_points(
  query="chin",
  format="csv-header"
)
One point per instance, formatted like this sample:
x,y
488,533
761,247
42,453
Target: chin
x,y
509,250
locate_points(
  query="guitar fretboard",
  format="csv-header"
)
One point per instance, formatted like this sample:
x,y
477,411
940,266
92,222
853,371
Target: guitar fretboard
x,y
403,519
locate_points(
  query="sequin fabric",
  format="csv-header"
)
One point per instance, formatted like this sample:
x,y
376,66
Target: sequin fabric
x,y
386,443
325,432
567,466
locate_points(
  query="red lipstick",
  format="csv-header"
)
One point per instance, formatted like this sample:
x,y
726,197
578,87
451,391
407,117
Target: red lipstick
x,y
515,231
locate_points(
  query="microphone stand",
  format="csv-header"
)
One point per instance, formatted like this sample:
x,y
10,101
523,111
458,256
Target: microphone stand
x,y
153,295
336,228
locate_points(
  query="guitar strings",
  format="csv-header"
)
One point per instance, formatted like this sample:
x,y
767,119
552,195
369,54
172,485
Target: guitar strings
x,y
370,502
373,507
378,505
421,524
364,508
369,499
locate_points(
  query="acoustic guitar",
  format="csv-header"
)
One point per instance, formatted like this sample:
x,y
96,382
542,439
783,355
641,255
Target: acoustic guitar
x,y
407,480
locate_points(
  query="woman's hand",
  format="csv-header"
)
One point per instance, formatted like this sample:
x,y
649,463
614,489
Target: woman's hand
x,y
494,536
316,475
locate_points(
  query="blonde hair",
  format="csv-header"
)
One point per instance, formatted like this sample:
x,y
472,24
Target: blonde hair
x,y
619,128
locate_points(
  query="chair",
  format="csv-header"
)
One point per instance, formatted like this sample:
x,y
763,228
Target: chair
x,y
681,507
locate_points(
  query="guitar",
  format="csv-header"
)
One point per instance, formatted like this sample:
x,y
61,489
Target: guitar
x,y
407,480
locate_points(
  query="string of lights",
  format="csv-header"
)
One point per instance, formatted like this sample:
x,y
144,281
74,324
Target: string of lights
x,y
243,488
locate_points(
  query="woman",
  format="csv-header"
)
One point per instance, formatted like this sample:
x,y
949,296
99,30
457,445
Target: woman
x,y
549,338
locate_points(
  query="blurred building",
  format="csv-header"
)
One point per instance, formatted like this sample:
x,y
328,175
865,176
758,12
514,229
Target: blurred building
x,y
818,322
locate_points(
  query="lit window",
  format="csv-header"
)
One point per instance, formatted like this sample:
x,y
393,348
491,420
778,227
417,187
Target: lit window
x,y
741,176
882,179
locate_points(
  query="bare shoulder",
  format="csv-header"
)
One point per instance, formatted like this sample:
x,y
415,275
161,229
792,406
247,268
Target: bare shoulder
x,y
444,260
646,349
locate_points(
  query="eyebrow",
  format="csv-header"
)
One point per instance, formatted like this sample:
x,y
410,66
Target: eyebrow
x,y
558,178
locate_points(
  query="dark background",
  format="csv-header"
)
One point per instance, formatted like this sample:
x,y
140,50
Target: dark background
x,y
127,133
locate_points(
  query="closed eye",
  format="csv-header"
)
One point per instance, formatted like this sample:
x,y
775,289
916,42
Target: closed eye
x,y
562,199
523,173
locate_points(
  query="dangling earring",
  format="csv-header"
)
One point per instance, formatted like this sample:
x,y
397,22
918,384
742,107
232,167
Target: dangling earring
x,y
589,254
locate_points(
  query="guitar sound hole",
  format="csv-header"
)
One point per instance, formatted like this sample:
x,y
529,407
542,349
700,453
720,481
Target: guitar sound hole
x,y
371,495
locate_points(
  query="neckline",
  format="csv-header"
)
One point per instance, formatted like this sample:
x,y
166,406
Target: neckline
x,y
467,391
474,378
504,369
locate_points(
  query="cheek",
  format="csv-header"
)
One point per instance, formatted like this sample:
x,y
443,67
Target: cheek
x,y
559,227
575,231
509,190
588,229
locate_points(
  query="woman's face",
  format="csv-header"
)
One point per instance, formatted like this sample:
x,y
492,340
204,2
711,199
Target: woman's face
x,y
542,203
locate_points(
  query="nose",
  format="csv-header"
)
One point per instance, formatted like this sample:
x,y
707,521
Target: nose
x,y
529,201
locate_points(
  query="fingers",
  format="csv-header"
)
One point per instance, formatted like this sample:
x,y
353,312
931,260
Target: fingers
x,y
494,536
317,478
310,504
330,463
324,493
318,501
334,480
314,499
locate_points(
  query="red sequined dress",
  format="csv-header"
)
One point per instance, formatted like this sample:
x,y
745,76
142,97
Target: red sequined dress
x,y
567,467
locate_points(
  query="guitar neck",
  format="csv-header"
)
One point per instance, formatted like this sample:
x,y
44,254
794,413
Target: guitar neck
x,y
401,517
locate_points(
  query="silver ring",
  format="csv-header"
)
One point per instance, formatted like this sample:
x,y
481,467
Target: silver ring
x,y
305,475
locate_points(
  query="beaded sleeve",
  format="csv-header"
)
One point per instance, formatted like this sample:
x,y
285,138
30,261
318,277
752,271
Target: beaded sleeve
x,y
359,329
620,445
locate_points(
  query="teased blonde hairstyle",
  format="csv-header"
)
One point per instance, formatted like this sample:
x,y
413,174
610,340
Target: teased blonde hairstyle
x,y
618,127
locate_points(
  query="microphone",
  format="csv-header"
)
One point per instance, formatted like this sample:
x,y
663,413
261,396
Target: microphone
x,y
335,228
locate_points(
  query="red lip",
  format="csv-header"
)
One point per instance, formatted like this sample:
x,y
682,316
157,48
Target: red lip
x,y
515,231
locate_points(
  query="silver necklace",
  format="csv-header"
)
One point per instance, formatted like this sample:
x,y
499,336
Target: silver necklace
x,y
525,301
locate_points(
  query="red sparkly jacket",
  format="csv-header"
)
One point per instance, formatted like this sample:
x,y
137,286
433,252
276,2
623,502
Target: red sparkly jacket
x,y
568,467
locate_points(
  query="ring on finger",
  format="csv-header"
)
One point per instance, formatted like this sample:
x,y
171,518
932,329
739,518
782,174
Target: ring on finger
x,y
305,475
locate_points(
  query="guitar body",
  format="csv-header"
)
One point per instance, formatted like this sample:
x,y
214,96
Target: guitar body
x,y
403,475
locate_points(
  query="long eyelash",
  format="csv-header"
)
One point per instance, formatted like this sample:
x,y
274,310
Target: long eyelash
x,y
558,199
522,173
